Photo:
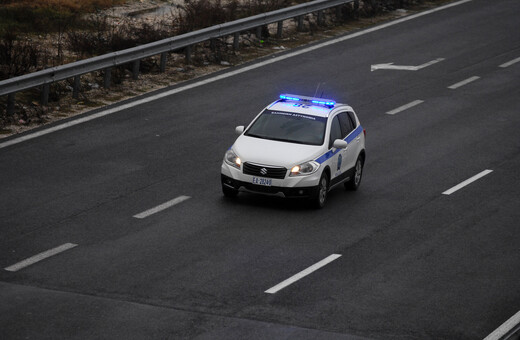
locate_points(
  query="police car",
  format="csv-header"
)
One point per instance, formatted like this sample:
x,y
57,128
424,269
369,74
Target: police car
x,y
297,146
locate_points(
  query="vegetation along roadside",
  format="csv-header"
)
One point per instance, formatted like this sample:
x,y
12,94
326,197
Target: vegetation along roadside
x,y
44,33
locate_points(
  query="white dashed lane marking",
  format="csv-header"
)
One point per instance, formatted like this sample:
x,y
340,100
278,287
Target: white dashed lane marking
x,y
405,107
505,328
467,182
40,257
511,62
302,274
162,207
464,82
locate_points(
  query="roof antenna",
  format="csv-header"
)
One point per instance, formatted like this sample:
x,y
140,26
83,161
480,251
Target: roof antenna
x,y
317,89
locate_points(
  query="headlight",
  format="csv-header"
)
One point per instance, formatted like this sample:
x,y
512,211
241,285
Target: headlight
x,y
306,168
232,159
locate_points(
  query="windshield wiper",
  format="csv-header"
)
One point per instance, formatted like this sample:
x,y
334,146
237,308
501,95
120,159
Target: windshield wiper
x,y
256,136
288,141
279,139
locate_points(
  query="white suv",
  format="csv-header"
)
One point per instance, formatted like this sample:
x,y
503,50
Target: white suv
x,y
296,147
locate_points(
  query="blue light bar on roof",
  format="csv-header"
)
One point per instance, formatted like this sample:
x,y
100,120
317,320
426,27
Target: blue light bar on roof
x,y
289,97
318,101
321,102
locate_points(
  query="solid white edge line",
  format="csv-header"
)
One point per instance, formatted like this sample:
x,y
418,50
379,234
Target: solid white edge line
x,y
39,257
302,274
405,107
225,75
509,63
467,182
504,328
464,82
162,207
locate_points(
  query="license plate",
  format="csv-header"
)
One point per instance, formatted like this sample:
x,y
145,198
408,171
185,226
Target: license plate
x,y
262,181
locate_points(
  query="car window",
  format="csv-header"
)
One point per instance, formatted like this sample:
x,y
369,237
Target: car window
x,y
345,123
335,131
352,119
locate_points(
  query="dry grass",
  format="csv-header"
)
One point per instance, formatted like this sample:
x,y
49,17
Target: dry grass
x,y
46,16
83,6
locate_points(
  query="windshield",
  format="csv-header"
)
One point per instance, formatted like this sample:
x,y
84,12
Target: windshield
x,y
289,127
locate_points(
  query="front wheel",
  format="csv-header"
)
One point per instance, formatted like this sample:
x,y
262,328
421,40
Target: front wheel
x,y
355,181
321,195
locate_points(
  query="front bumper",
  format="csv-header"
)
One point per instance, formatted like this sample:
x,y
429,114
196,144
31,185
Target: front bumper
x,y
272,190
298,186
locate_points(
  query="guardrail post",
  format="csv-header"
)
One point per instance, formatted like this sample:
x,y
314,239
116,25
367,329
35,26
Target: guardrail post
x,y
135,69
75,87
259,32
107,77
338,13
300,23
10,104
213,44
187,52
45,95
320,18
164,57
236,40
279,29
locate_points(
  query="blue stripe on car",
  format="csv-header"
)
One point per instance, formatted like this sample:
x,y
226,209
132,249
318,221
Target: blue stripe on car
x,y
349,139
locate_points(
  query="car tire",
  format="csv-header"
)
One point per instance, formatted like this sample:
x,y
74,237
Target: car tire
x,y
354,183
320,198
229,192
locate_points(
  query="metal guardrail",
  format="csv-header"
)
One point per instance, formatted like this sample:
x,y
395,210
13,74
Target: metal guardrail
x,y
107,61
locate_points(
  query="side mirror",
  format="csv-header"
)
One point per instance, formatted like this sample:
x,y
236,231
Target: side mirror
x,y
340,144
239,129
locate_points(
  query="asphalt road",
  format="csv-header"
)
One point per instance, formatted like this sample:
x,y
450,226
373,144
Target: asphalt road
x,y
415,263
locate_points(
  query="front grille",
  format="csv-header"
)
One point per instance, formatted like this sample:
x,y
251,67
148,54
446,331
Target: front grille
x,y
264,171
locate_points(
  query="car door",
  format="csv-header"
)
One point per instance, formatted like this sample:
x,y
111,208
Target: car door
x,y
347,128
337,159
354,139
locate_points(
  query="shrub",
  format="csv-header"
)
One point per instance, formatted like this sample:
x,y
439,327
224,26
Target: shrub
x,y
103,37
17,56
253,7
197,14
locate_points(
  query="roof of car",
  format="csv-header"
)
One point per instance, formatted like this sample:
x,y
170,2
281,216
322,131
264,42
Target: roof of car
x,y
313,110
305,105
